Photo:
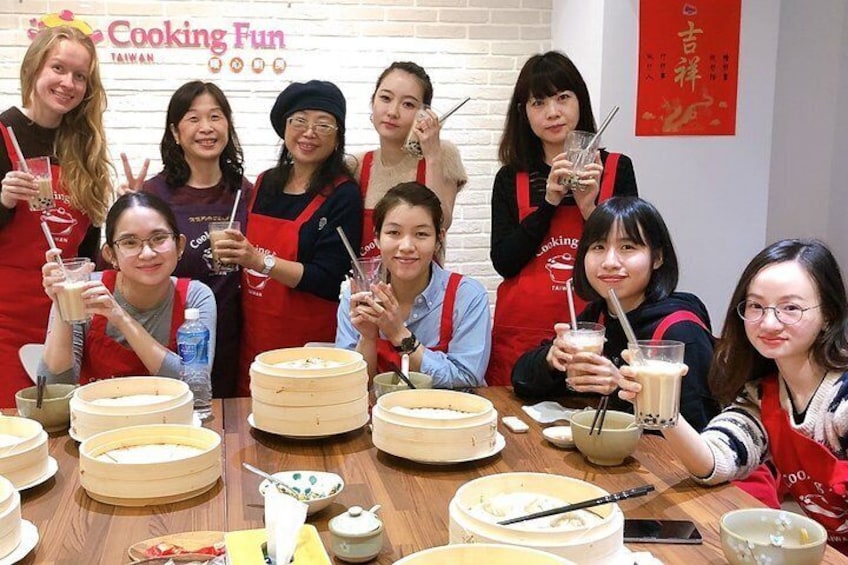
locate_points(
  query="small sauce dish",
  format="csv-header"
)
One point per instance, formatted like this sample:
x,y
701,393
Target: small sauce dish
x,y
560,436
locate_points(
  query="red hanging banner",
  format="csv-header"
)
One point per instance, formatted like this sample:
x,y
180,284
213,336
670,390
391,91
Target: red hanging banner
x,y
688,67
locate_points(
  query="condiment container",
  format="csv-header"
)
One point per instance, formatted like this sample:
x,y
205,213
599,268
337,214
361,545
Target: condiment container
x,y
357,535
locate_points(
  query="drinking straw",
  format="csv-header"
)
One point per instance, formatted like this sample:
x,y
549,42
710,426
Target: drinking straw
x,y
625,324
571,309
351,252
404,364
233,213
52,245
604,125
18,151
447,114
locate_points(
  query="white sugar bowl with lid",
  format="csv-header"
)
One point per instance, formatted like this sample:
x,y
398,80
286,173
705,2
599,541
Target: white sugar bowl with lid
x,y
357,534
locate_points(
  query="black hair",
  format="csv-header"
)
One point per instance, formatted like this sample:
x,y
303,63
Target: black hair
x,y
642,223
135,200
413,194
415,70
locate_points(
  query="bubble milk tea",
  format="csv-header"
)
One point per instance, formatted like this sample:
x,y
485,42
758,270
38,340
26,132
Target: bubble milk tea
x,y
587,337
216,233
69,300
44,199
658,403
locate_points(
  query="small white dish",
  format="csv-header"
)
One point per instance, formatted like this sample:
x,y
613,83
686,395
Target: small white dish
x,y
500,443
317,489
52,469
548,412
560,436
29,539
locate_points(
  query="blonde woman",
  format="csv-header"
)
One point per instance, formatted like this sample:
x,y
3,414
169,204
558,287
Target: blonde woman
x,y
61,116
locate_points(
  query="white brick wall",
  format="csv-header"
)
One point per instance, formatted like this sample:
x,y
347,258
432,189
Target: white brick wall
x,y
469,47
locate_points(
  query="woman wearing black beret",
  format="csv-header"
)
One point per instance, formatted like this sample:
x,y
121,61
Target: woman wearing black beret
x,y
292,257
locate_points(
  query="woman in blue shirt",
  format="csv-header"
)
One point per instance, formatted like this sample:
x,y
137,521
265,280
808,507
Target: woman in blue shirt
x,y
440,319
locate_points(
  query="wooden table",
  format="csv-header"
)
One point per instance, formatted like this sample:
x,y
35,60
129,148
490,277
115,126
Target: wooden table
x,y
77,530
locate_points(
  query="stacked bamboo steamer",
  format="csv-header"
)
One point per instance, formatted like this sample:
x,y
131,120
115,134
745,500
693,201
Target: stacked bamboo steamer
x,y
488,553
10,517
599,543
434,426
23,451
150,465
309,391
129,401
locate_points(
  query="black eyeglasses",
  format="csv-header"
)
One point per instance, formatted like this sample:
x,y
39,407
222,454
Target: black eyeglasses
x,y
158,242
787,313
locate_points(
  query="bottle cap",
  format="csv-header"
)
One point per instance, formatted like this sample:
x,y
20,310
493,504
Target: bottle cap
x,y
192,314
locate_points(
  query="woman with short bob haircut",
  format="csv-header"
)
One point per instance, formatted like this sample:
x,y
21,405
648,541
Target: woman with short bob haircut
x,y
626,246
782,360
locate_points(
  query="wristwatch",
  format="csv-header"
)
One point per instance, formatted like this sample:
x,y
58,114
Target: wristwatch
x,y
269,261
407,344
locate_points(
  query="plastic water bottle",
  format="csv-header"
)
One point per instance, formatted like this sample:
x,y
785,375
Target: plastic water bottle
x,y
193,347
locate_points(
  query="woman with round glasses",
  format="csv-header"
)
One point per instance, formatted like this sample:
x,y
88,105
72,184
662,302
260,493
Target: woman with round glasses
x,y
292,256
135,308
781,368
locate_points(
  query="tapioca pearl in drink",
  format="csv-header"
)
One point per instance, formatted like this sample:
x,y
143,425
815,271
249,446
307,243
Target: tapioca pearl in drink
x,y
658,403
70,302
218,266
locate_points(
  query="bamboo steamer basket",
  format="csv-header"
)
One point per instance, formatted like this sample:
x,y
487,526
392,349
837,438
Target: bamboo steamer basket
x,y
26,460
279,386
434,439
87,418
311,421
152,482
10,517
488,553
593,545
309,402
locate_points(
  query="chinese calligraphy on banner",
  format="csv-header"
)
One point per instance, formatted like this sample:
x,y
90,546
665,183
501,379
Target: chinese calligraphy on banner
x,y
688,67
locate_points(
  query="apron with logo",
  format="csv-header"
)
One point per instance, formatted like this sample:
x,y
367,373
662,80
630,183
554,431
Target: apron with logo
x,y
816,479
386,354
369,244
276,316
196,263
25,308
105,358
530,303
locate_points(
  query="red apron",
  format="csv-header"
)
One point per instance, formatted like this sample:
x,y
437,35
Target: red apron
x,y
105,358
530,303
809,470
386,354
22,247
369,244
276,316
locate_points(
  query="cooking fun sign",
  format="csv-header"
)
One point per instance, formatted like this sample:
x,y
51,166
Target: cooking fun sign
x,y
137,43
559,253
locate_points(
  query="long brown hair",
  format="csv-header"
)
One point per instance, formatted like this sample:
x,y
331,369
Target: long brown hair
x,y
735,360
80,140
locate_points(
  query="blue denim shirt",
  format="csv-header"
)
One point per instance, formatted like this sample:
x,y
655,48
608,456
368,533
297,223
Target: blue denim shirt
x,y
465,362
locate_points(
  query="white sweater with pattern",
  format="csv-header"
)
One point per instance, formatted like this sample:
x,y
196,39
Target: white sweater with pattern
x,y
740,443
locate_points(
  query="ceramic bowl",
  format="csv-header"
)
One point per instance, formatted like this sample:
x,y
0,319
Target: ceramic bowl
x,y
384,383
766,535
316,488
55,412
613,445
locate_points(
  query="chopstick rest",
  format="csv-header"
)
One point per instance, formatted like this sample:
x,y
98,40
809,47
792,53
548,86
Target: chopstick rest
x,y
610,498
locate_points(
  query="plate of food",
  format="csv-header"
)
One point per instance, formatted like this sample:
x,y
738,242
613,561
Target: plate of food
x,y
194,545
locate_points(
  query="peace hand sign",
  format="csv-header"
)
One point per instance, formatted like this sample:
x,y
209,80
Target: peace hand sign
x,y
133,183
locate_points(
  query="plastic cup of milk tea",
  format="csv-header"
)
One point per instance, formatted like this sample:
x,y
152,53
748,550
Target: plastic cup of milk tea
x,y
216,233
69,294
39,167
586,337
660,372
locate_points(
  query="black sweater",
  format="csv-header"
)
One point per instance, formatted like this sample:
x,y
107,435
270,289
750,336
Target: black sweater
x,y
533,378
515,243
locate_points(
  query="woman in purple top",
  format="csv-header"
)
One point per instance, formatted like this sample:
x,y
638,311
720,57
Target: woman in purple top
x,y
202,172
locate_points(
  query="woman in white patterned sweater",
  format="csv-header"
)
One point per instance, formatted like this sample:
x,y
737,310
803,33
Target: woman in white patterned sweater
x,y
783,356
